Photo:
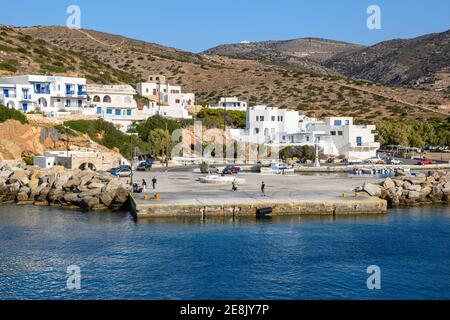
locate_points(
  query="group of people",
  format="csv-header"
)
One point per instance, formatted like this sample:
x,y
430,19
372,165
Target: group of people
x,y
234,187
143,187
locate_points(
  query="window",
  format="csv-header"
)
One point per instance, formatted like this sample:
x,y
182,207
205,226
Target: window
x,y
359,141
333,133
107,99
273,118
261,118
80,103
340,133
347,122
155,92
108,111
96,99
177,100
6,93
117,112
337,123
257,118
307,138
128,112
256,130
99,110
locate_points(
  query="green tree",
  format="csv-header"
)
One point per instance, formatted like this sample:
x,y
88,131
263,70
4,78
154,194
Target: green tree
x,y
160,142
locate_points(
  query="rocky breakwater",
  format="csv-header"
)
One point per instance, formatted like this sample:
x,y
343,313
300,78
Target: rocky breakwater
x,y
409,190
58,186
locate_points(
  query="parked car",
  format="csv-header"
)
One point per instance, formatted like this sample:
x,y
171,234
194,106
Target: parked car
x,y
374,160
231,170
122,172
212,169
394,161
144,166
119,168
424,162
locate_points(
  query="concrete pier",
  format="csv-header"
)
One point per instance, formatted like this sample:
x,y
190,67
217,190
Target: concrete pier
x,y
181,195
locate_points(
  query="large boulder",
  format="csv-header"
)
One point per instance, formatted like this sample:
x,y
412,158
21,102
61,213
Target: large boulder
x,y
372,189
388,183
21,176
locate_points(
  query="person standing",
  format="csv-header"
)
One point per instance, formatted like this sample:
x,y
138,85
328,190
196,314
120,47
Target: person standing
x,y
263,188
144,185
154,183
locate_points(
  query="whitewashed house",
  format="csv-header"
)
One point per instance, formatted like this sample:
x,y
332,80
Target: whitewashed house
x,y
169,98
267,125
153,109
230,104
336,136
49,94
115,104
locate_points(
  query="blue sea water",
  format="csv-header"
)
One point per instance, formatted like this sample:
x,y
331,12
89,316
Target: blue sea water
x,y
280,258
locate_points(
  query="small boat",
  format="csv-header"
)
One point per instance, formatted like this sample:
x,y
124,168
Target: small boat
x,y
278,168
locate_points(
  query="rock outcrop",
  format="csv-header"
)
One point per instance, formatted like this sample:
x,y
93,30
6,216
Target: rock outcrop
x,y
410,190
58,186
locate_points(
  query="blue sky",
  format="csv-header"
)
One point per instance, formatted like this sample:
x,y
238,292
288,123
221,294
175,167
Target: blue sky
x,y
195,25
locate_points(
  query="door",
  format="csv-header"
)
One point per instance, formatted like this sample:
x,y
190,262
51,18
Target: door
x,y
25,106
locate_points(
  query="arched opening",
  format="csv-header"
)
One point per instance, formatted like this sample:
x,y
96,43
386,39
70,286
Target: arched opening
x,y
96,99
87,166
117,100
127,100
10,105
42,103
107,99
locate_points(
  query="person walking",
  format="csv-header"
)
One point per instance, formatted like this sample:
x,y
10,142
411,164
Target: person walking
x,y
234,186
263,188
154,183
144,185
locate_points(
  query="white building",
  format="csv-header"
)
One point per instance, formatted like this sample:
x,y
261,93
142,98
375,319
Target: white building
x,y
231,103
267,124
49,94
335,135
115,104
164,94
175,112
80,159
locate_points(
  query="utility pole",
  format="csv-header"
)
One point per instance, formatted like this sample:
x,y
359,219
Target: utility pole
x,y
131,147
67,147
224,126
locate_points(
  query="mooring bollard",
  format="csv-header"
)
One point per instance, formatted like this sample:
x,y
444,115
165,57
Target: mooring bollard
x,y
157,196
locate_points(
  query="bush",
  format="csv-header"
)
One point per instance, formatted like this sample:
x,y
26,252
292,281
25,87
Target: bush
x,y
215,118
7,114
9,65
156,122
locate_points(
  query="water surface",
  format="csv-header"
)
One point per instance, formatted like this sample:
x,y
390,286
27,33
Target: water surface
x,y
280,258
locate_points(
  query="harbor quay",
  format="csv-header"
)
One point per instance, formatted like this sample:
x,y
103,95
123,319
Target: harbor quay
x,y
179,193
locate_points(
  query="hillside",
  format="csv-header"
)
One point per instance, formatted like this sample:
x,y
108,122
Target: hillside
x,y
103,57
301,54
423,61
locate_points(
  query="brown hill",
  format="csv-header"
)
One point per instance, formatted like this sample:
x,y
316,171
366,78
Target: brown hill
x,y
422,62
103,57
